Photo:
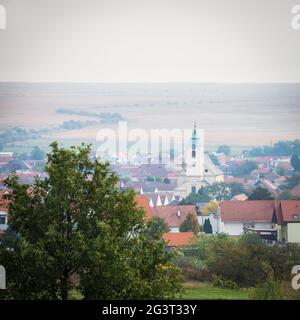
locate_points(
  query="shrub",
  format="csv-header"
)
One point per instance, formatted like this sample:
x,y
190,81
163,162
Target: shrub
x,y
269,290
220,282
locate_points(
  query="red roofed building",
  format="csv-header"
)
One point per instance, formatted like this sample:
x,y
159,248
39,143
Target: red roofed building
x,y
287,217
176,239
236,216
142,202
174,216
272,219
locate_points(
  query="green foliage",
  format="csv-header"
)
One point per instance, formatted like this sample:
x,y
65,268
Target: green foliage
x,y
218,191
190,224
269,290
225,149
77,222
220,282
280,148
261,194
246,260
214,159
244,168
207,228
167,180
295,162
37,154
157,227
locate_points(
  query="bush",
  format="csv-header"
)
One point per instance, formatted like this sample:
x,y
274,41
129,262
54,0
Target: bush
x,y
220,282
196,274
269,290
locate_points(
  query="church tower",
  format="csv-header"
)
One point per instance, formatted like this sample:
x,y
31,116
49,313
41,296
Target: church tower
x,y
195,156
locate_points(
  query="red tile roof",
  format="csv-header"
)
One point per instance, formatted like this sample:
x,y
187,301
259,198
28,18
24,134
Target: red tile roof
x,y
142,202
290,210
235,211
175,215
260,211
178,238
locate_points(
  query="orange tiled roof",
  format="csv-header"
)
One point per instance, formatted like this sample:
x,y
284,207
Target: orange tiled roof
x,y
178,238
142,202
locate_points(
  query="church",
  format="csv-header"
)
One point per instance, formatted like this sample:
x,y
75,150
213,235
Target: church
x,y
197,170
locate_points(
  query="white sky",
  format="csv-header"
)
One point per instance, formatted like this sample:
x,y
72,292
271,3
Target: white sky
x,y
149,41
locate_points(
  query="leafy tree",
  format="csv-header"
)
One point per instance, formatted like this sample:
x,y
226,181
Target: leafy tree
x,y
210,208
158,227
261,194
244,168
167,180
225,149
37,154
214,159
207,228
200,196
295,162
218,191
190,224
77,222
286,195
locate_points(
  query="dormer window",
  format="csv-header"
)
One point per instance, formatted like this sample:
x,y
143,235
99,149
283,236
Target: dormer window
x,y
296,217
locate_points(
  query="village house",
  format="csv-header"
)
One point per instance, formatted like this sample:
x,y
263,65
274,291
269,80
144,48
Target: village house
x,y
276,220
238,217
287,218
174,216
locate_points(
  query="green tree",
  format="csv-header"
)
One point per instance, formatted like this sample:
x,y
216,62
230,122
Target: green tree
x,y
295,162
244,168
190,224
261,194
207,228
37,154
214,159
158,226
224,149
77,222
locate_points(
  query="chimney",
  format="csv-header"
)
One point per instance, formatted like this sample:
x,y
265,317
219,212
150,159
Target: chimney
x,y
178,213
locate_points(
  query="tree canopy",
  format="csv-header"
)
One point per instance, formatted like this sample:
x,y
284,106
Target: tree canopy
x,y
77,223
190,224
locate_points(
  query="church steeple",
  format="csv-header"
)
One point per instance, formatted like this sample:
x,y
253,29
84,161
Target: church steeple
x,y
194,141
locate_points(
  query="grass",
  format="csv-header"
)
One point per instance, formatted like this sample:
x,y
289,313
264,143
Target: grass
x,y
205,291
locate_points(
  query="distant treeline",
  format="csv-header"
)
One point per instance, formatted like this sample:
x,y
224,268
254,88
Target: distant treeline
x,y
280,148
77,124
105,117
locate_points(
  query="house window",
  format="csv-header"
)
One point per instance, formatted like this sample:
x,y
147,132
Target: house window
x,y
194,189
2,219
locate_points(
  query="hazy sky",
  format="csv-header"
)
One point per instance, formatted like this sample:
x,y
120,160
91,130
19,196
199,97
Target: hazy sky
x,y
150,41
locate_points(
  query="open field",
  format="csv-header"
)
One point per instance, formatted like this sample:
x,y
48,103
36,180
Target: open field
x,y
204,291
233,114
